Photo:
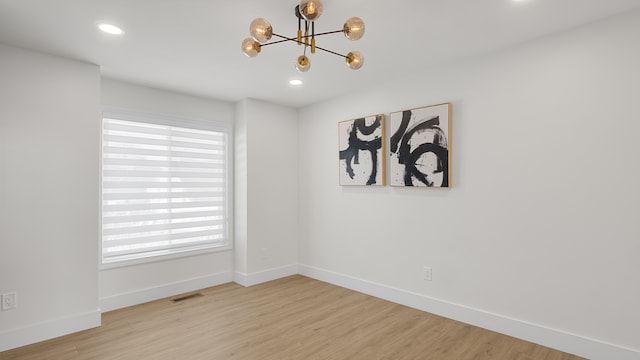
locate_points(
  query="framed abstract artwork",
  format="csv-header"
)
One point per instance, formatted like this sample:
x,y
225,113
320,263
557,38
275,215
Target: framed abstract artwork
x,y
420,147
361,149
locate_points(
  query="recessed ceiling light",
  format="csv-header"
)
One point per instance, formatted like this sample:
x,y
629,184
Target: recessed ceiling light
x,y
295,82
110,29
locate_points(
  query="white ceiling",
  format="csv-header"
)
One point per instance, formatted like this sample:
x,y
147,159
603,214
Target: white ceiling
x,y
193,46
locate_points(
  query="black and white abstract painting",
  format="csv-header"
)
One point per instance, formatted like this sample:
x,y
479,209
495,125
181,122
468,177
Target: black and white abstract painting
x,y
420,147
361,151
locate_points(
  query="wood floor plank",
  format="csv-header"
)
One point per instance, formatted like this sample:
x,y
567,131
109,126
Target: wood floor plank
x,y
293,318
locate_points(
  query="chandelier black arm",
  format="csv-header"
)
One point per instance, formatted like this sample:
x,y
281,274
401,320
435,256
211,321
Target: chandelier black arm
x,y
331,52
295,39
285,39
329,32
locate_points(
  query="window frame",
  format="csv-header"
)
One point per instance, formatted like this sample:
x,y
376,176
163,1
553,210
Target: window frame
x,y
185,122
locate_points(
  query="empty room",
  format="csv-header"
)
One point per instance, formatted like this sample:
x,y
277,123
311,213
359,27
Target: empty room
x,y
311,179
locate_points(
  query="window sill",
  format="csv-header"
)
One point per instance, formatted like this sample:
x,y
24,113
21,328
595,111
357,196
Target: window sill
x,y
162,258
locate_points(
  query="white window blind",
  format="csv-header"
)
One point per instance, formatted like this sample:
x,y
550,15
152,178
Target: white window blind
x,y
164,190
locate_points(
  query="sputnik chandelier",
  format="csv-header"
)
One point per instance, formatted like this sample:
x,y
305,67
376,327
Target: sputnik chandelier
x,y
307,12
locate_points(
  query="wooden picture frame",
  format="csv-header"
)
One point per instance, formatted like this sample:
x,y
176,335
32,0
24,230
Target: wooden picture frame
x,y
420,147
361,151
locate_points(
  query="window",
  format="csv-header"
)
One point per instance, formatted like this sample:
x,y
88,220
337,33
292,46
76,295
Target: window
x,y
165,187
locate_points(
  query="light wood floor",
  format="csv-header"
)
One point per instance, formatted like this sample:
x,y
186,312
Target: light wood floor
x,y
290,318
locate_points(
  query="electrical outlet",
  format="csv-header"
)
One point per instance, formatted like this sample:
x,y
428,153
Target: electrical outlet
x,y
427,274
9,301
264,253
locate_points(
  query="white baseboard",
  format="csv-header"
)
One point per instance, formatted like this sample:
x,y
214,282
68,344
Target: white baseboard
x,y
48,330
264,276
145,295
556,339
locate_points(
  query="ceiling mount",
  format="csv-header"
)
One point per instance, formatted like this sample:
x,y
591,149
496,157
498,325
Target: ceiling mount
x,y
307,12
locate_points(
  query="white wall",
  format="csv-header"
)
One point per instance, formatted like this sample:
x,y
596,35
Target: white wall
x,y
241,226
266,192
49,151
541,225
124,286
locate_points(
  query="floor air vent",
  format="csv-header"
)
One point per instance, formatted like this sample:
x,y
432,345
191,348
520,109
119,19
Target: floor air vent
x,y
186,297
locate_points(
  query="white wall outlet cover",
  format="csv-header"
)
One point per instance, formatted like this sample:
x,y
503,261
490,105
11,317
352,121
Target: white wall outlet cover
x,y
9,301
427,273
